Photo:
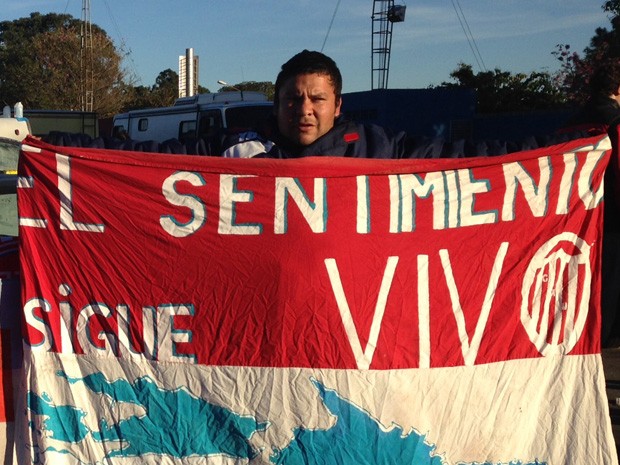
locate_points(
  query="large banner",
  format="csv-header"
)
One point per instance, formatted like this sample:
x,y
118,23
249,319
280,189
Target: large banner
x,y
194,310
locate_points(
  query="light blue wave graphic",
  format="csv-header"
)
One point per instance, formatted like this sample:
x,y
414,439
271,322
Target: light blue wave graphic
x,y
358,438
178,425
175,423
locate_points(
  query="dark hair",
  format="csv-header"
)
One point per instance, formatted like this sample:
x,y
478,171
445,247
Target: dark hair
x,y
605,79
308,62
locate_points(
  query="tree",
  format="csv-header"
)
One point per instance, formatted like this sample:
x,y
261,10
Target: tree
x,y
40,64
501,91
162,94
166,88
266,87
577,68
612,6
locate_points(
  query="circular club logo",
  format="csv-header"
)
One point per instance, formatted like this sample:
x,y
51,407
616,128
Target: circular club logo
x,y
556,294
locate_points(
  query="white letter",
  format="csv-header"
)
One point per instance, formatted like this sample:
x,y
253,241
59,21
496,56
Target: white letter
x,y
537,196
424,312
566,185
229,196
63,168
37,323
363,358
404,188
168,336
198,211
27,182
315,213
469,348
363,205
88,340
123,321
589,198
66,321
468,188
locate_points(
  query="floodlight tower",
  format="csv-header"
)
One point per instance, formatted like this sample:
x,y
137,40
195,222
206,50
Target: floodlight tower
x,y
384,15
86,59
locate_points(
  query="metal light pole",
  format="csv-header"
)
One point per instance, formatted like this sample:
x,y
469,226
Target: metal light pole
x,y
224,83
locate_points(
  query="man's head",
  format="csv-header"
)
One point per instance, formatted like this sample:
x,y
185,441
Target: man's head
x,y
605,80
307,97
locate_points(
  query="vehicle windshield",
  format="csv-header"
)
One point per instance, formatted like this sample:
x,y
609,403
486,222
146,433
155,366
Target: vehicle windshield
x,y
248,117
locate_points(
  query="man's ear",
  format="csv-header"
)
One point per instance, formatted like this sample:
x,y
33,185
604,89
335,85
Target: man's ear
x,y
338,105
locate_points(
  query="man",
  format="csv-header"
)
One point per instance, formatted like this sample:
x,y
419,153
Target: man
x,y
603,107
307,119
602,114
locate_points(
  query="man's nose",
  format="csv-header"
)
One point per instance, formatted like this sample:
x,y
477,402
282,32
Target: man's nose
x,y
305,106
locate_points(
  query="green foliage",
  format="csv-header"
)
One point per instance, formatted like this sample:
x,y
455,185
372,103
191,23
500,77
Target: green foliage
x,y
612,6
266,87
17,62
501,91
162,94
40,64
166,88
577,68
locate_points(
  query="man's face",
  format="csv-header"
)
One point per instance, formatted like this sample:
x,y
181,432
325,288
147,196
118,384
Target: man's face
x,y
307,107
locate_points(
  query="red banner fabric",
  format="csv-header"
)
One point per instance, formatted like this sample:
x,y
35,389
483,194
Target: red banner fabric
x,y
375,268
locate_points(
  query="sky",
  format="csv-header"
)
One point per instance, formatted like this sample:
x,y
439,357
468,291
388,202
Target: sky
x,y
248,40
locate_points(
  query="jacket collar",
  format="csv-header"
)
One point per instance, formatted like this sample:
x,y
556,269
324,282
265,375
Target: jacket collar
x,y
334,142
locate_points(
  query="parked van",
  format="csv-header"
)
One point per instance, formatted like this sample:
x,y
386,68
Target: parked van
x,y
206,116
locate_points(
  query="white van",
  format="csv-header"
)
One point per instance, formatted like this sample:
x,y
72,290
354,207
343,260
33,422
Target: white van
x,y
201,116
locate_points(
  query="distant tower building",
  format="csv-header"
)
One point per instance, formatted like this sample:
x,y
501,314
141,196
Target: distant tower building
x,y
188,73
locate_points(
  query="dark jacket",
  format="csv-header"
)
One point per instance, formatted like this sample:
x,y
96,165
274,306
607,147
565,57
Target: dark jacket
x,y
600,110
345,139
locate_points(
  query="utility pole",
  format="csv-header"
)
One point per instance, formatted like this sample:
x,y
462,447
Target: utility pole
x,y
86,59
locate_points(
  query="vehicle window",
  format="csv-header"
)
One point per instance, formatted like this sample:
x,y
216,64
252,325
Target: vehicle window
x,y
243,118
119,131
143,124
210,123
187,130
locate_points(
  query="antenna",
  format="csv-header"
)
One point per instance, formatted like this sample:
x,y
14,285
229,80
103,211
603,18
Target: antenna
x,y
86,59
